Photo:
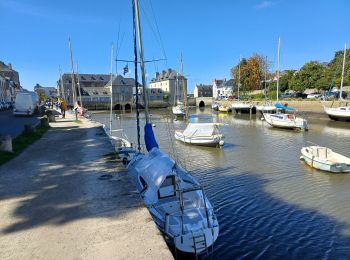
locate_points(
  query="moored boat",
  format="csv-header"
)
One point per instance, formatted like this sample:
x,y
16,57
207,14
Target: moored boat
x,y
225,109
325,159
241,107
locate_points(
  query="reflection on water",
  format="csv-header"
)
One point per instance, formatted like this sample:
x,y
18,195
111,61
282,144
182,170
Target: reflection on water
x,y
269,203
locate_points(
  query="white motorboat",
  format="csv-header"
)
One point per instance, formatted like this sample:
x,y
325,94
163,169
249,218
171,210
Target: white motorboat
x,y
325,159
215,106
178,110
266,108
207,134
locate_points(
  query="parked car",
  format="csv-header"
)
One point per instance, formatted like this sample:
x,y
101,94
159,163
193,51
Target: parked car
x,y
334,94
314,95
286,95
299,95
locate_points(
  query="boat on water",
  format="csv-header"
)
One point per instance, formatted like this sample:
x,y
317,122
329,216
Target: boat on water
x,y
285,120
174,198
224,109
178,110
244,108
325,159
341,113
215,106
267,107
206,134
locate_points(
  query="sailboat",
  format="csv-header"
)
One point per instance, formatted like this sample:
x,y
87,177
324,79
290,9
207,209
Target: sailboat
x,y
242,107
206,134
282,119
266,107
120,143
174,198
178,108
341,113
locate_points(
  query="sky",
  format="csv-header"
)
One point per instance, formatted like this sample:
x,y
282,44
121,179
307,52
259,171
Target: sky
x,y
210,35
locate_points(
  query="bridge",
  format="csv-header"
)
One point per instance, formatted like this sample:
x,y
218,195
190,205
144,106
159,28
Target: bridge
x,y
204,101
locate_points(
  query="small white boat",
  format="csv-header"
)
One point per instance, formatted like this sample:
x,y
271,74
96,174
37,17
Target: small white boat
x,y
243,107
325,159
286,121
266,108
206,134
215,106
224,109
338,113
179,110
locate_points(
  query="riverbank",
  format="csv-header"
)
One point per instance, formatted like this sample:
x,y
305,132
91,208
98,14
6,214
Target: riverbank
x,y
68,197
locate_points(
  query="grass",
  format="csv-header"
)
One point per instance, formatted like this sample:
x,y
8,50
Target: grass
x,y
21,142
78,121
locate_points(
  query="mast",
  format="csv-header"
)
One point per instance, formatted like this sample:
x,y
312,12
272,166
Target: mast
x,y
239,76
184,90
278,65
72,73
176,89
145,100
265,77
79,91
342,75
61,85
111,104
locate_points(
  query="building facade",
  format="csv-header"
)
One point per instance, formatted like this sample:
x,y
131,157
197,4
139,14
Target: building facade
x,y
9,82
170,83
201,90
222,88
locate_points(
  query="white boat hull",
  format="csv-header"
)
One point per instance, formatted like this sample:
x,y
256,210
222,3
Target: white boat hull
x,y
178,110
339,113
329,165
214,140
282,121
265,108
243,108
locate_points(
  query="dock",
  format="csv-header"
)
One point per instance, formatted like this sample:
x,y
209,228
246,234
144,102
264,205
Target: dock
x,y
67,196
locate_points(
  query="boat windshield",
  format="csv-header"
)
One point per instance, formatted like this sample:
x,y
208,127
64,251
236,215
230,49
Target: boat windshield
x,y
193,199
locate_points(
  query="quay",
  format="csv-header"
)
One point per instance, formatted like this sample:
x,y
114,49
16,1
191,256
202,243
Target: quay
x,y
68,197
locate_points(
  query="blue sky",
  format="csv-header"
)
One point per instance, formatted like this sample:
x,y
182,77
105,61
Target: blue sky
x,y
210,34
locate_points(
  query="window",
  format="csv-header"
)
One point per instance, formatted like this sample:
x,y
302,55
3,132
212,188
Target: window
x,y
82,78
92,78
101,78
167,189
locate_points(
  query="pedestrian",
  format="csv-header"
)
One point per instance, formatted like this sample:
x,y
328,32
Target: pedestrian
x,y
63,108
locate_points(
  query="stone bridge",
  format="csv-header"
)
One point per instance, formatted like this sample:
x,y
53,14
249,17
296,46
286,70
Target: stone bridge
x,y
204,101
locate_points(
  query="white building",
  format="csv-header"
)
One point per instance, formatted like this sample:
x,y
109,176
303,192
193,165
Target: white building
x,y
222,88
171,84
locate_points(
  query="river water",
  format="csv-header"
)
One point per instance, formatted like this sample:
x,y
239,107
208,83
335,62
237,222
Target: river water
x,y
270,205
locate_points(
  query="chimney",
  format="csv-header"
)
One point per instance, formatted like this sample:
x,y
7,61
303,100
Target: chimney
x,y
169,70
10,66
157,74
164,72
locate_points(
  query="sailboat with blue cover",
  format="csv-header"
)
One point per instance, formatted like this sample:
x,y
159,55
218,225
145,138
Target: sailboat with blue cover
x,y
175,199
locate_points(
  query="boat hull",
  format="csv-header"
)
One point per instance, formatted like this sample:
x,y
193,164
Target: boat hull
x,y
324,165
275,121
338,114
202,141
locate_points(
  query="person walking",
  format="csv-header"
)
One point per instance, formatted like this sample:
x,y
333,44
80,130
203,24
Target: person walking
x,y
63,108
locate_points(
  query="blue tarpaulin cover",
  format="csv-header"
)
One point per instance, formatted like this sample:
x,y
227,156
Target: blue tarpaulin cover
x,y
279,106
150,140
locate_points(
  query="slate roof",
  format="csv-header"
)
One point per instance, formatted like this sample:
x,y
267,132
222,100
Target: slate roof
x,y
169,74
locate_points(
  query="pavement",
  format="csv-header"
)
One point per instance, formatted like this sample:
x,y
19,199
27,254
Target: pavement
x,y
67,197
14,125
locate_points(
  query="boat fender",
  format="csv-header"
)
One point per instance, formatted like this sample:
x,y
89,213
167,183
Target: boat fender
x,y
125,161
301,157
222,142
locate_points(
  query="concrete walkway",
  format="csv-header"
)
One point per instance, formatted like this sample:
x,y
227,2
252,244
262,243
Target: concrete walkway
x,y
55,205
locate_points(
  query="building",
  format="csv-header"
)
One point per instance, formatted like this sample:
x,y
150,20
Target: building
x,y
50,92
203,91
95,90
222,88
171,85
9,82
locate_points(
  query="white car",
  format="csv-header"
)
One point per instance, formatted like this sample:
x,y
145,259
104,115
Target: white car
x,y
314,95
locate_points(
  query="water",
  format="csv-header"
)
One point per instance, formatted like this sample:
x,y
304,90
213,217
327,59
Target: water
x,y
269,203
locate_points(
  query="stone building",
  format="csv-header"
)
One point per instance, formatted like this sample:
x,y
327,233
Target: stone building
x,y
222,88
170,83
203,91
9,82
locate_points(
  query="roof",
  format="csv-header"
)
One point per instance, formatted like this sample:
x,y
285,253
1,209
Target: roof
x,y
169,74
97,91
119,80
89,77
204,87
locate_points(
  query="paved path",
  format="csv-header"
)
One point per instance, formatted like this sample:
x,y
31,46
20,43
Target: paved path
x,y
53,204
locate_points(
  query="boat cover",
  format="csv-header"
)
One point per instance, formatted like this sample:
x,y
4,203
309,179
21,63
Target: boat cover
x,y
150,140
279,106
200,129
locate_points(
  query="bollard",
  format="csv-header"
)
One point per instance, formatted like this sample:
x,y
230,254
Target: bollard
x,y
6,143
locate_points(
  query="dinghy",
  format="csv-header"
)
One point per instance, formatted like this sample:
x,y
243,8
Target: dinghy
x,y
325,159
207,134
225,109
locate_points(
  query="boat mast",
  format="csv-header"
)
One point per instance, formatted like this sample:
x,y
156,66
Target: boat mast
x,y
265,77
61,85
184,90
239,76
72,74
278,65
342,75
111,104
79,91
145,100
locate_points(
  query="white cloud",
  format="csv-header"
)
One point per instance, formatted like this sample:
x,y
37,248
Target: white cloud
x,y
264,4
